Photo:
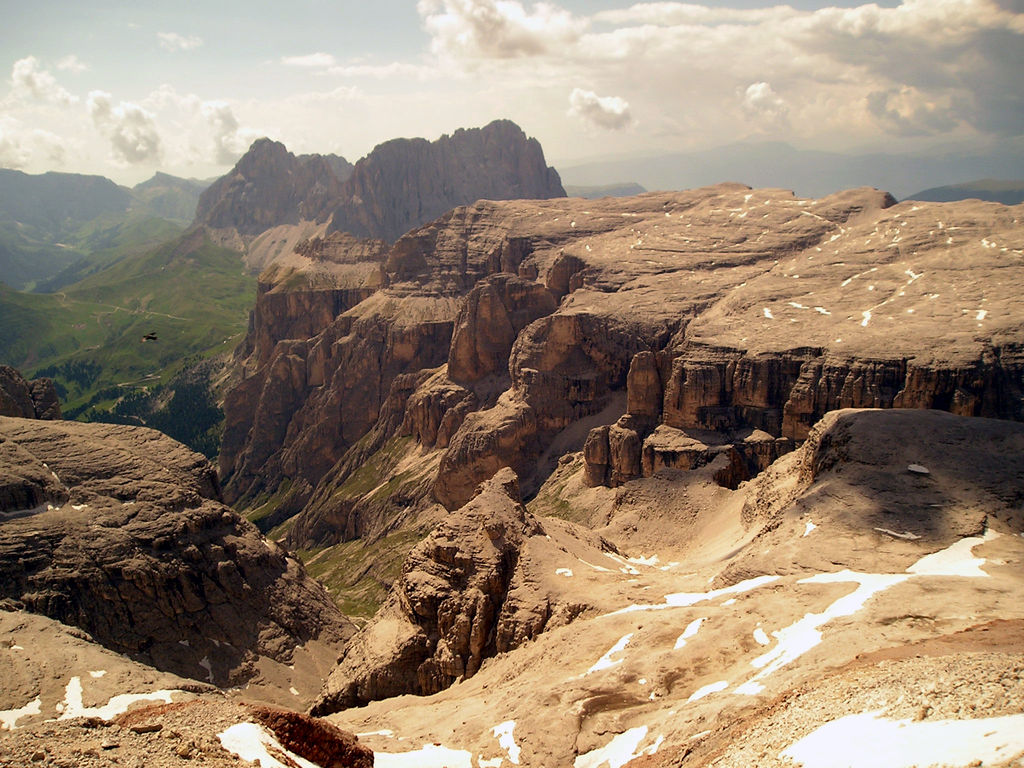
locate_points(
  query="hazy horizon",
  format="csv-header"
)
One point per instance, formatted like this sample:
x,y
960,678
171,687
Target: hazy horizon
x,y
124,90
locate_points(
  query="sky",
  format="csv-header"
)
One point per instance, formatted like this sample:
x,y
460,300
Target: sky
x,y
124,89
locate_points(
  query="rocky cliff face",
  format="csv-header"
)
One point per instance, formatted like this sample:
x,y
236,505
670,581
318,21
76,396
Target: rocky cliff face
x,y
120,531
406,182
36,399
468,591
869,579
267,187
716,322
401,184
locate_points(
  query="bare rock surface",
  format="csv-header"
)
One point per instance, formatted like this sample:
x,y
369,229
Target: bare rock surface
x,y
269,186
404,183
120,531
272,198
36,399
211,730
863,574
472,589
670,331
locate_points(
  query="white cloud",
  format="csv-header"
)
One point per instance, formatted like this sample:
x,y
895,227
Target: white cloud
x,y
609,112
314,60
383,71
12,153
29,82
760,101
228,141
498,29
172,41
20,146
907,112
131,130
71,63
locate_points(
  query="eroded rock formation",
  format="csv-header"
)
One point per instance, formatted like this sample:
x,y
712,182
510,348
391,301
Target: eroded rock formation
x,y
36,399
467,592
722,321
121,531
401,184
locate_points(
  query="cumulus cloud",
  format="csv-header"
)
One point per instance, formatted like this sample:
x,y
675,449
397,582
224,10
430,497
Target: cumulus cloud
x,y
228,142
172,41
20,146
760,101
71,63
29,82
906,112
131,130
609,112
498,29
312,60
12,153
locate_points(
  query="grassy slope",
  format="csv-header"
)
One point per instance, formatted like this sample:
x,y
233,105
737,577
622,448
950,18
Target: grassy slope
x,y
191,293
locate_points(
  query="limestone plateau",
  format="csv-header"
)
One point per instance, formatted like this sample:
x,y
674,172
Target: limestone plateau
x,y
720,477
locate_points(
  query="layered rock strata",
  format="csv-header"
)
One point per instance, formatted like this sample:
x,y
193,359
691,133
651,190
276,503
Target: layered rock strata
x,y
717,321
121,531
467,592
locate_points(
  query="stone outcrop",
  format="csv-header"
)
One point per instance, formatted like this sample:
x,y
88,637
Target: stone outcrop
x,y
464,595
400,185
267,187
731,319
36,399
120,531
404,183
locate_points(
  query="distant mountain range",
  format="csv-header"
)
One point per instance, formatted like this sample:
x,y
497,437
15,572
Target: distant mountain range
x,y
994,190
809,173
52,221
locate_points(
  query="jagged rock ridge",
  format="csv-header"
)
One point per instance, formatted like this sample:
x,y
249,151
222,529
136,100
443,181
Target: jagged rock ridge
x,y
269,186
401,184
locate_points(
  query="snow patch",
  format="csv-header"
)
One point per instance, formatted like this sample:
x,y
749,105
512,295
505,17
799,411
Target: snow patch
x,y
691,630
707,690
73,706
866,314
97,673
822,311
430,756
567,572
800,637
982,314
619,751
503,733
9,717
254,743
955,560
808,528
205,664
768,314
761,637
293,691
869,740
606,661
651,561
